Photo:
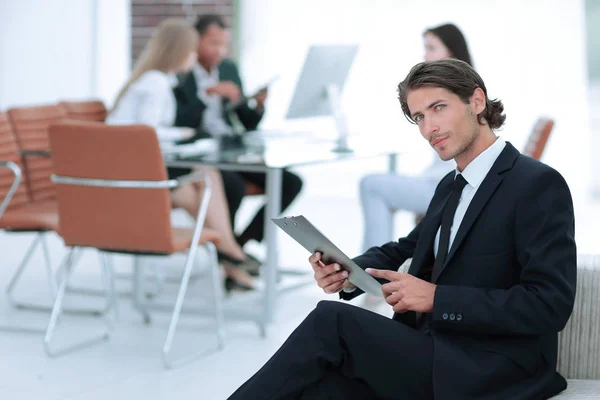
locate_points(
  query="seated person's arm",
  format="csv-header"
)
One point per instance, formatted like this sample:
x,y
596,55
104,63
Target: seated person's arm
x,y
543,300
249,117
189,107
150,108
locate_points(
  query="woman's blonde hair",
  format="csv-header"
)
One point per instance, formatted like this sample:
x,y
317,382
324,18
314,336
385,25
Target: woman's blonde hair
x,y
170,45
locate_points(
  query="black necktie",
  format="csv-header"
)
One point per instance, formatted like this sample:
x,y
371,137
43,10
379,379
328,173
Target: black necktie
x,y
447,219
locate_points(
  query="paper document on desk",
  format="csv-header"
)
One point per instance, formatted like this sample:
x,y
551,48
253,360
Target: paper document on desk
x,y
303,232
199,147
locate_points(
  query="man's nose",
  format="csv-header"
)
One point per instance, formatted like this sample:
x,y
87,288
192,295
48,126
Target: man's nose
x,y
430,128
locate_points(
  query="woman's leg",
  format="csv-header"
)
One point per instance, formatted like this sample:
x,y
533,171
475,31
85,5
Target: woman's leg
x,y
189,197
382,194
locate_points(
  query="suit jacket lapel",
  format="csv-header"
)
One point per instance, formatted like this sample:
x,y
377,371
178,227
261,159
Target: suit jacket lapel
x,y
489,185
431,223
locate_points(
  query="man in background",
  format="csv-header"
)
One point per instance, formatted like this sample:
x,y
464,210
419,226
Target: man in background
x,y
211,100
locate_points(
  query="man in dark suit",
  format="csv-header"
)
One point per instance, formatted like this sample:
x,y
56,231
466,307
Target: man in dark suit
x,y
491,283
204,101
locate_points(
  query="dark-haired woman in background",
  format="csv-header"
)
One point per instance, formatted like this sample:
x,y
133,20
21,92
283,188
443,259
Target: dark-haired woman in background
x,y
383,194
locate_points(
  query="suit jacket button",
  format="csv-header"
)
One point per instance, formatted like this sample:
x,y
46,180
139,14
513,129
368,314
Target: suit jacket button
x,y
452,317
459,317
444,316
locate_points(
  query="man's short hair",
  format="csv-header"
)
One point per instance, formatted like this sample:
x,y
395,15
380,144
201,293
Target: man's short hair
x,y
457,77
205,21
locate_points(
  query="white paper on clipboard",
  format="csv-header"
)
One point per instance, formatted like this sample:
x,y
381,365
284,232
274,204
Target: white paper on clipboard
x,y
307,235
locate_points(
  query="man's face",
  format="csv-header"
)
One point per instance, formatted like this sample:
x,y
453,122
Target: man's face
x,y
212,46
449,125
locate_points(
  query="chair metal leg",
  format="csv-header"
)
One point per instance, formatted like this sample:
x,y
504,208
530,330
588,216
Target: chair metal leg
x,y
217,298
17,275
53,277
138,290
108,277
57,311
49,271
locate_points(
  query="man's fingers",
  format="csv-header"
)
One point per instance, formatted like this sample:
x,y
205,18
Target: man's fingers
x,y
315,261
327,270
393,299
385,274
390,288
335,287
400,307
314,258
330,279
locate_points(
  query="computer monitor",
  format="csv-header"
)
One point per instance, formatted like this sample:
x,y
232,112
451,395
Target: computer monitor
x,y
318,90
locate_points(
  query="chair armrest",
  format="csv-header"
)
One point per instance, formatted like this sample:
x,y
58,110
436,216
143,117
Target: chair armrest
x,y
13,187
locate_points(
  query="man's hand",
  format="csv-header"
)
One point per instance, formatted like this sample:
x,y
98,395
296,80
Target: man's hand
x,y
260,98
405,292
331,278
226,89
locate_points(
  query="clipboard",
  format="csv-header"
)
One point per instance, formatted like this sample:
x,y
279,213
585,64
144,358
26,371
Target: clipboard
x,y
307,235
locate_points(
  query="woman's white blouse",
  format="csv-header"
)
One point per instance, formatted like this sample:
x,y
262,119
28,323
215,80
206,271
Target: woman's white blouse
x,y
150,100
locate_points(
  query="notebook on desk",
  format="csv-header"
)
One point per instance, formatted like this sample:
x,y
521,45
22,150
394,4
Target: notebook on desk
x,y
199,147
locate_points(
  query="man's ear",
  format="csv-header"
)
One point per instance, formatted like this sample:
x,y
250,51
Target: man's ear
x,y
477,101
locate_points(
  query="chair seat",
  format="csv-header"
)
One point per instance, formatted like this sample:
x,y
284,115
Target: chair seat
x,y
34,216
580,389
182,238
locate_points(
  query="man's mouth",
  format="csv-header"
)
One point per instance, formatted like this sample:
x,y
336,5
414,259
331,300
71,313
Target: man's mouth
x,y
439,141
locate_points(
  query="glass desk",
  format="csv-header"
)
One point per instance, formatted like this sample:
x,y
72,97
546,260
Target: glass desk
x,y
272,155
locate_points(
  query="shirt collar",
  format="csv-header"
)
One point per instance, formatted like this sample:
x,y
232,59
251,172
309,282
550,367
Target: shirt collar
x,y
172,79
477,169
203,74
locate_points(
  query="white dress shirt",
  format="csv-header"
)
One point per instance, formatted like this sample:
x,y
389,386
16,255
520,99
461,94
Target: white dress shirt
x,y
474,174
150,100
438,169
213,121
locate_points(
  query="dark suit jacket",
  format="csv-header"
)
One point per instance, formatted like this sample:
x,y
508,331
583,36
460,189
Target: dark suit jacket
x,y
190,107
507,286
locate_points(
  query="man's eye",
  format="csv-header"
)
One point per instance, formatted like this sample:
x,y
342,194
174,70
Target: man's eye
x,y
440,107
419,118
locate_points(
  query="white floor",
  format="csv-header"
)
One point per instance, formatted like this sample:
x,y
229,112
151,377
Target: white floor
x,y
129,365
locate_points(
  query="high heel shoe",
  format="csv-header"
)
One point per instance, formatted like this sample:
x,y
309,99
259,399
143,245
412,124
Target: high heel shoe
x,y
232,284
237,278
226,257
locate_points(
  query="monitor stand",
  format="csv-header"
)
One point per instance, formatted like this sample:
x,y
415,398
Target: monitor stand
x,y
341,124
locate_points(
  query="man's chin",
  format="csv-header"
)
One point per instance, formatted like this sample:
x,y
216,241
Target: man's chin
x,y
445,156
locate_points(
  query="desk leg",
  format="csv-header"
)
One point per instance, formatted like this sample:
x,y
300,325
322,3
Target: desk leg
x,y
273,208
392,160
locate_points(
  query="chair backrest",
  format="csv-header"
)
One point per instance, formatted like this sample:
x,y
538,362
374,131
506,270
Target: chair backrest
x,y
30,125
538,138
123,219
92,110
10,152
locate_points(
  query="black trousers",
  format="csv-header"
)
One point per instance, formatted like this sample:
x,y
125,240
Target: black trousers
x,y
344,352
235,189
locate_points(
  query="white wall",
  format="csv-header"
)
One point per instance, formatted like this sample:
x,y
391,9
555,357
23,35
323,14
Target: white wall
x,y
62,49
531,54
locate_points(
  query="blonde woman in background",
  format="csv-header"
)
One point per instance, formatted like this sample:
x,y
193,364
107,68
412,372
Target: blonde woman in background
x,y
147,98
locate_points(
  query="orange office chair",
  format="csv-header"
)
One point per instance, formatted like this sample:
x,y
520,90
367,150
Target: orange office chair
x,y
536,144
113,195
33,207
92,110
